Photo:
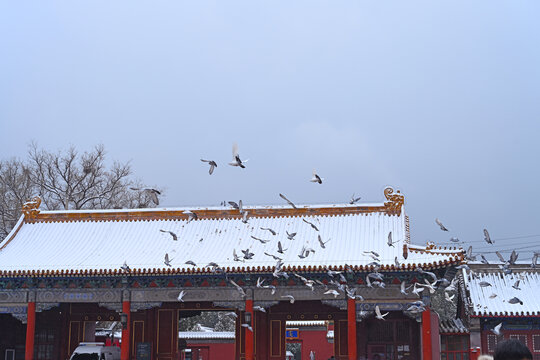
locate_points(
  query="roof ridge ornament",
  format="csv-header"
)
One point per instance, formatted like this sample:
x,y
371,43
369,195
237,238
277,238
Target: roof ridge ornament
x,y
395,201
30,208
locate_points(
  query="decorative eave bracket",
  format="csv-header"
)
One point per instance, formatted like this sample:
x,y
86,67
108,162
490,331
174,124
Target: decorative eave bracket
x,y
395,201
30,208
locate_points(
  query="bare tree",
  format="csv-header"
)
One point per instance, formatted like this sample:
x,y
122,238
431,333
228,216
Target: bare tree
x,y
66,180
15,188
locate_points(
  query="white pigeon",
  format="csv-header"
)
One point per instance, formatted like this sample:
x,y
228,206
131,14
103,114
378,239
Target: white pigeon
x,y
378,314
236,158
290,297
316,178
247,326
181,296
497,329
332,292
448,297
259,308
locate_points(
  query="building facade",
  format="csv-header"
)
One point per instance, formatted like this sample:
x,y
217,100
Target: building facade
x,y
61,271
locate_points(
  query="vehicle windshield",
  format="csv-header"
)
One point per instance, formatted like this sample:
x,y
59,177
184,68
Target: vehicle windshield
x,y
77,356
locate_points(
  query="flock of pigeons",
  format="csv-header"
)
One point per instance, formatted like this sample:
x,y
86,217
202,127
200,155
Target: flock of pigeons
x,y
337,283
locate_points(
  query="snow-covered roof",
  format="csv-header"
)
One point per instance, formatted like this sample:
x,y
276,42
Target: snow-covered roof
x,y
98,242
452,326
203,335
482,301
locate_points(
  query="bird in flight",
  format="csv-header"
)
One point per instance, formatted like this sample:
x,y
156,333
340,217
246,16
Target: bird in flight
x,y
263,241
212,164
268,229
236,158
288,201
487,238
167,261
125,267
443,228
390,242
354,200
280,248
181,296
323,243
312,225
191,215
290,236
189,262
290,297
316,178
497,329
378,313
332,292
152,193
174,237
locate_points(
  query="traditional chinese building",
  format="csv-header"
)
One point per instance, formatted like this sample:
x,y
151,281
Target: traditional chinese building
x,y
486,294
61,271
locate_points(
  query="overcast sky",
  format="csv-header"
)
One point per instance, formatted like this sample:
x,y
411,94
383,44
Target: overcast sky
x,y
440,99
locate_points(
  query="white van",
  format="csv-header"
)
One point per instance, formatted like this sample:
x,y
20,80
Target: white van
x,y
95,351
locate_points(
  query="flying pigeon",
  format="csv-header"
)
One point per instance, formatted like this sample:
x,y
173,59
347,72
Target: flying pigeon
x,y
312,225
448,297
152,193
516,285
263,241
354,200
236,158
288,201
259,308
125,267
484,284
316,178
234,205
274,256
497,329
189,262
268,229
454,239
443,228
323,243
390,243
247,326
487,238
245,217
290,236
515,300
247,254
280,248
191,215
174,237
332,292
167,261
212,164
290,297
181,296
378,313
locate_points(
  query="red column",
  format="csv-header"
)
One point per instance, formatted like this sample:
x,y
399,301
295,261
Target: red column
x,y
351,328
249,334
30,331
474,353
426,335
125,347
